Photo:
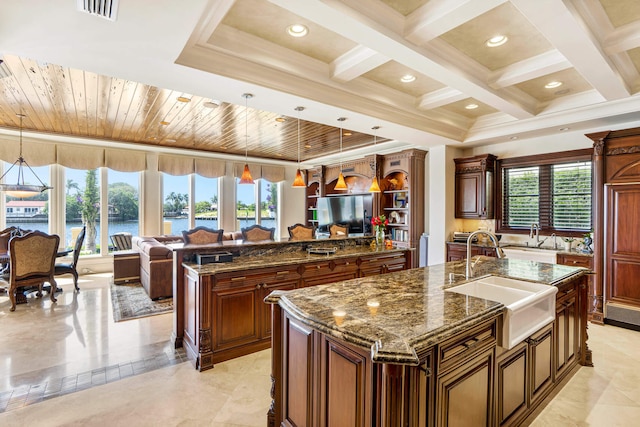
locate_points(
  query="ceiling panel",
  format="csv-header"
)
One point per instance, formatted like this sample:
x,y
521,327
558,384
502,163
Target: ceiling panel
x,y
572,83
524,40
405,7
460,107
621,12
389,74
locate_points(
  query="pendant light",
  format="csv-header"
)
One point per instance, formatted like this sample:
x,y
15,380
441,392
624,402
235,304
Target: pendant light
x,y
375,188
299,181
341,185
20,189
246,175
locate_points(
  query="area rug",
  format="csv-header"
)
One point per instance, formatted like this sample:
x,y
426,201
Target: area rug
x,y
130,301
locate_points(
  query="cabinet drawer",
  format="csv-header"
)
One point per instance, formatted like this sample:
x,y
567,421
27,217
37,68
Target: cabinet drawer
x,y
328,267
466,344
575,260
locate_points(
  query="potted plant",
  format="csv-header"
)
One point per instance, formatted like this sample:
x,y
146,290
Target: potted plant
x,y
568,241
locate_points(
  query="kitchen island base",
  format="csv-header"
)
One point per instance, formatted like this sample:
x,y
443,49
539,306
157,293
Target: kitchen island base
x,y
324,378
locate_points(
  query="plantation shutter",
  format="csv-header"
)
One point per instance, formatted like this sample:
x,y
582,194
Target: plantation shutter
x,y
572,196
522,196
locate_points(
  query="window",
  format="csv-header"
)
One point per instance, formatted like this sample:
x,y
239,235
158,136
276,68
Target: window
x,y
30,213
553,191
206,202
82,206
122,194
246,204
176,203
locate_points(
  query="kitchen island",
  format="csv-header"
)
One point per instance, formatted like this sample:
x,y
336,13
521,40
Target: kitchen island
x,y
219,311
400,350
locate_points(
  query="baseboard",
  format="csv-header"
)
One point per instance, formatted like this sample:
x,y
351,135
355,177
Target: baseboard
x,y
622,314
622,324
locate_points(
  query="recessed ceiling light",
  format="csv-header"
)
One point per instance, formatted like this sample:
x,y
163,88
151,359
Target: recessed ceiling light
x,y
471,106
171,140
563,129
297,30
152,138
164,123
223,147
307,145
496,41
553,84
407,78
183,99
214,103
513,138
280,119
346,133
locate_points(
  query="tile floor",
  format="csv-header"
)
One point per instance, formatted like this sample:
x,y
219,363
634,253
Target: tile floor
x,y
70,364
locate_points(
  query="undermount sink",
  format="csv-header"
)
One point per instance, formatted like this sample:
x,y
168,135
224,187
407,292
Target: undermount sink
x,y
528,306
531,254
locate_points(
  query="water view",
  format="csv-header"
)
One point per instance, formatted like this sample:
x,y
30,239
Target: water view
x,y
177,226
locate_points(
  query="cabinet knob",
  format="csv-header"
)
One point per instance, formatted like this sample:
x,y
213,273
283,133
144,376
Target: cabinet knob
x,y
318,267
259,285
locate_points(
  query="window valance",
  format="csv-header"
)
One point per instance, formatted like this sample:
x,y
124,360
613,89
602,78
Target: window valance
x,y
254,168
125,160
210,168
273,173
176,165
35,153
74,157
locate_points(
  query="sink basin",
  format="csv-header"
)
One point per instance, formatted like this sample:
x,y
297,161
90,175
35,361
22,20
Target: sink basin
x,y
528,306
531,254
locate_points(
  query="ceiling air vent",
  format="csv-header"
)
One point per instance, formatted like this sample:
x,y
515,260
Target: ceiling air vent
x,y
104,8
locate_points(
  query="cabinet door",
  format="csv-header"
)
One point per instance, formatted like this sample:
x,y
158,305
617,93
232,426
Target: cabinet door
x,y
465,393
375,265
566,332
324,272
265,309
541,357
512,384
469,195
235,315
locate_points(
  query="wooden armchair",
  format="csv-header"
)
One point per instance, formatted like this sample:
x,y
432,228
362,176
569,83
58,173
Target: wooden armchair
x,y
202,236
301,232
32,262
338,230
257,233
70,268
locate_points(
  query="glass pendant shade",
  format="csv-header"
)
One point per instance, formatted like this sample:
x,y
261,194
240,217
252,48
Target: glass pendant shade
x,y
375,188
299,180
246,176
340,185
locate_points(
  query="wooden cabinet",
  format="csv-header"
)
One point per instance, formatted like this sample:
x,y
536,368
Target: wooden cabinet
x,y
381,264
524,375
458,251
225,315
594,301
314,191
474,187
126,267
566,329
328,271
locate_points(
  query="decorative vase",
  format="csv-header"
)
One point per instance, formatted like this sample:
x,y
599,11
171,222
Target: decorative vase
x,y
567,246
379,236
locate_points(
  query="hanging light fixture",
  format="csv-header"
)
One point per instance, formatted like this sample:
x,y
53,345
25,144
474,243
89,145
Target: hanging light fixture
x,y
375,188
341,185
246,175
20,189
299,181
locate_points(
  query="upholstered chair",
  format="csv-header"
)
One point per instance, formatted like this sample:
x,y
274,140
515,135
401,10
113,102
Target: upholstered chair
x,y
338,230
32,260
70,268
301,232
256,232
202,236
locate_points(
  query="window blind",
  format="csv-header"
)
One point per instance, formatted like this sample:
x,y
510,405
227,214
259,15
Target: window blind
x,y
522,196
571,208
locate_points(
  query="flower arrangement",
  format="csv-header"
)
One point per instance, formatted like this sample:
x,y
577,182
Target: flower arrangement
x,y
379,222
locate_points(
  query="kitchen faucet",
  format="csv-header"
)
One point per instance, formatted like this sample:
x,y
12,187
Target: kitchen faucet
x,y
494,240
535,231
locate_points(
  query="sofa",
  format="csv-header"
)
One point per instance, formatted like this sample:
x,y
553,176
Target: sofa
x,y
156,262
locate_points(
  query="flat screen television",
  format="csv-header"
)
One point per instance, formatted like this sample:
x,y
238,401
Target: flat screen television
x,y
353,210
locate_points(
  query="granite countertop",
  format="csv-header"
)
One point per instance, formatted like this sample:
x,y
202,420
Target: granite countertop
x,y
277,258
400,314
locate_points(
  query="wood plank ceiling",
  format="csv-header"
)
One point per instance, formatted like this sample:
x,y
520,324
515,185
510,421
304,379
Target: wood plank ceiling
x,y
65,101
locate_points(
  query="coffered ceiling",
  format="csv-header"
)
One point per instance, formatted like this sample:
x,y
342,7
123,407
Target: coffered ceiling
x,y
85,76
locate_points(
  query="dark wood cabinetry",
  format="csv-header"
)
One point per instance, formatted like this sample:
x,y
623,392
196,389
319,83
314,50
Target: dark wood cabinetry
x,y
566,329
594,302
402,192
524,375
474,187
225,316
458,251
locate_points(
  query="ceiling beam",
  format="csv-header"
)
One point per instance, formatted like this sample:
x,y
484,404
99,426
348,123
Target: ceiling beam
x,y
355,63
555,21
